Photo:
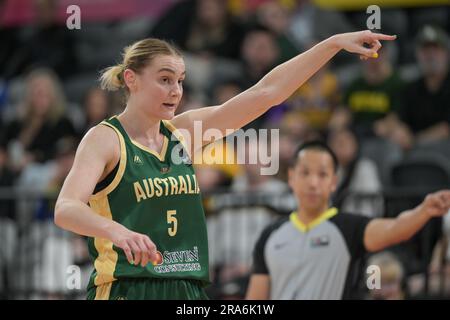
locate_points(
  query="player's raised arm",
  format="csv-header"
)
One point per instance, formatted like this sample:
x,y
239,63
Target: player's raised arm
x,y
280,83
381,233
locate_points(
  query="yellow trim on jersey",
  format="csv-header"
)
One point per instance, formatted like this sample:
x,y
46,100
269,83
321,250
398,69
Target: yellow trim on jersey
x,y
177,135
306,227
106,261
160,155
122,166
102,292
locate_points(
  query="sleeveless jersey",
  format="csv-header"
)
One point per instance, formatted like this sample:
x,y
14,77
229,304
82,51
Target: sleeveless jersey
x,y
157,195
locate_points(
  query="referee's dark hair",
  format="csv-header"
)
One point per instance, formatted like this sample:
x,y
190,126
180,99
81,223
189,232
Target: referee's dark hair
x,y
315,145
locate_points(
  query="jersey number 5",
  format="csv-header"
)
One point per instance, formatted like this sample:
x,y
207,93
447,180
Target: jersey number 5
x,y
171,219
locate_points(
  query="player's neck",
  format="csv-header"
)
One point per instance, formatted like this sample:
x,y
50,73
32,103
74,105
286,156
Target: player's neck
x,y
138,124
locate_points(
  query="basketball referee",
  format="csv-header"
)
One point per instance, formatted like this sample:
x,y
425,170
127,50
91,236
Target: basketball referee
x,y
314,253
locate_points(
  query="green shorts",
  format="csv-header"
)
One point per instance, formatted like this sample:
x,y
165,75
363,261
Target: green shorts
x,y
148,289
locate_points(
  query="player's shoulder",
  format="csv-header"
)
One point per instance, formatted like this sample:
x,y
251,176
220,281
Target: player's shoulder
x,y
100,139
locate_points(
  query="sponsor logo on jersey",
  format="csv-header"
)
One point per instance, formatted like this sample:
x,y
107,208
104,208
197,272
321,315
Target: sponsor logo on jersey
x,y
179,261
137,160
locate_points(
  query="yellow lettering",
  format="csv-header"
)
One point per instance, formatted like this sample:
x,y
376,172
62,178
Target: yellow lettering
x,y
197,189
182,185
139,192
364,101
190,191
147,189
167,185
157,182
174,185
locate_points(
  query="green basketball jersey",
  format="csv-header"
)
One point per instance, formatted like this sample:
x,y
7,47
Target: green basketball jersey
x,y
157,195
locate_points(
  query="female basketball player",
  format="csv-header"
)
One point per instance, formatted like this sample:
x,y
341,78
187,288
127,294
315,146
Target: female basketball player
x,y
144,206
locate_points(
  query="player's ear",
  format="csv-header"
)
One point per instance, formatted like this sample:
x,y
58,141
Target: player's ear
x,y
129,77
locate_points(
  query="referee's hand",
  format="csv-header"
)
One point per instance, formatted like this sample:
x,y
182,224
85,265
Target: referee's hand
x,y
436,204
138,248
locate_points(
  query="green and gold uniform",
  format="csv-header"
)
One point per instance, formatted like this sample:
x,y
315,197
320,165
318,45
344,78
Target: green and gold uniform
x,y
157,195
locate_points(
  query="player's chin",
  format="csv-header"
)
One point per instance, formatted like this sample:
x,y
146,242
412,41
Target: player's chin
x,y
167,114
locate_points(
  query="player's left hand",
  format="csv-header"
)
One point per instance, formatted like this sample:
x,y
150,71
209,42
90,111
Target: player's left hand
x,y
436,204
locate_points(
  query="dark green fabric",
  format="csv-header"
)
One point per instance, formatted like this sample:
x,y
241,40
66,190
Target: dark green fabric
x,y
154,289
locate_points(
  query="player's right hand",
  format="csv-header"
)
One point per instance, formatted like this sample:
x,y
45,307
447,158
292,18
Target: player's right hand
x,y
138,248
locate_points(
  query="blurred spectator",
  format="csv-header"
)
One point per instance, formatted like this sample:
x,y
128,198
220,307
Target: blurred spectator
x,y
259,54
356,175
32,136
96,108
310,23
225,90
222,164
251,179
47,178
48,44
392,277
117,102
8,227
202,27
44,178
219,165
314,102
286,149
58,250
297,128
217,169
10,42
275,17
61,165
234,231
7,179
426,102
372,98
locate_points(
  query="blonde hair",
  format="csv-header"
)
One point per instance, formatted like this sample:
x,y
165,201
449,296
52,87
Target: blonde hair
x,y
135,57
58,104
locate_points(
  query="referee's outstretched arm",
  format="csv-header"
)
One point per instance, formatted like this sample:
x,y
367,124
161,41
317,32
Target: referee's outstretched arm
x,y
382,233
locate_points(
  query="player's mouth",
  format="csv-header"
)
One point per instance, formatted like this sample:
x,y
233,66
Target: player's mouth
x,y
170,105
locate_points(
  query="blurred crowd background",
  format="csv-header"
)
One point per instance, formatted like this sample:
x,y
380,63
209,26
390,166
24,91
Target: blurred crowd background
x,y
387,119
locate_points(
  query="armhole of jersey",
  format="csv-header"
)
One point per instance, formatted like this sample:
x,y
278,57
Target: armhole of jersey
x,y
107,180
178,135
121,168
